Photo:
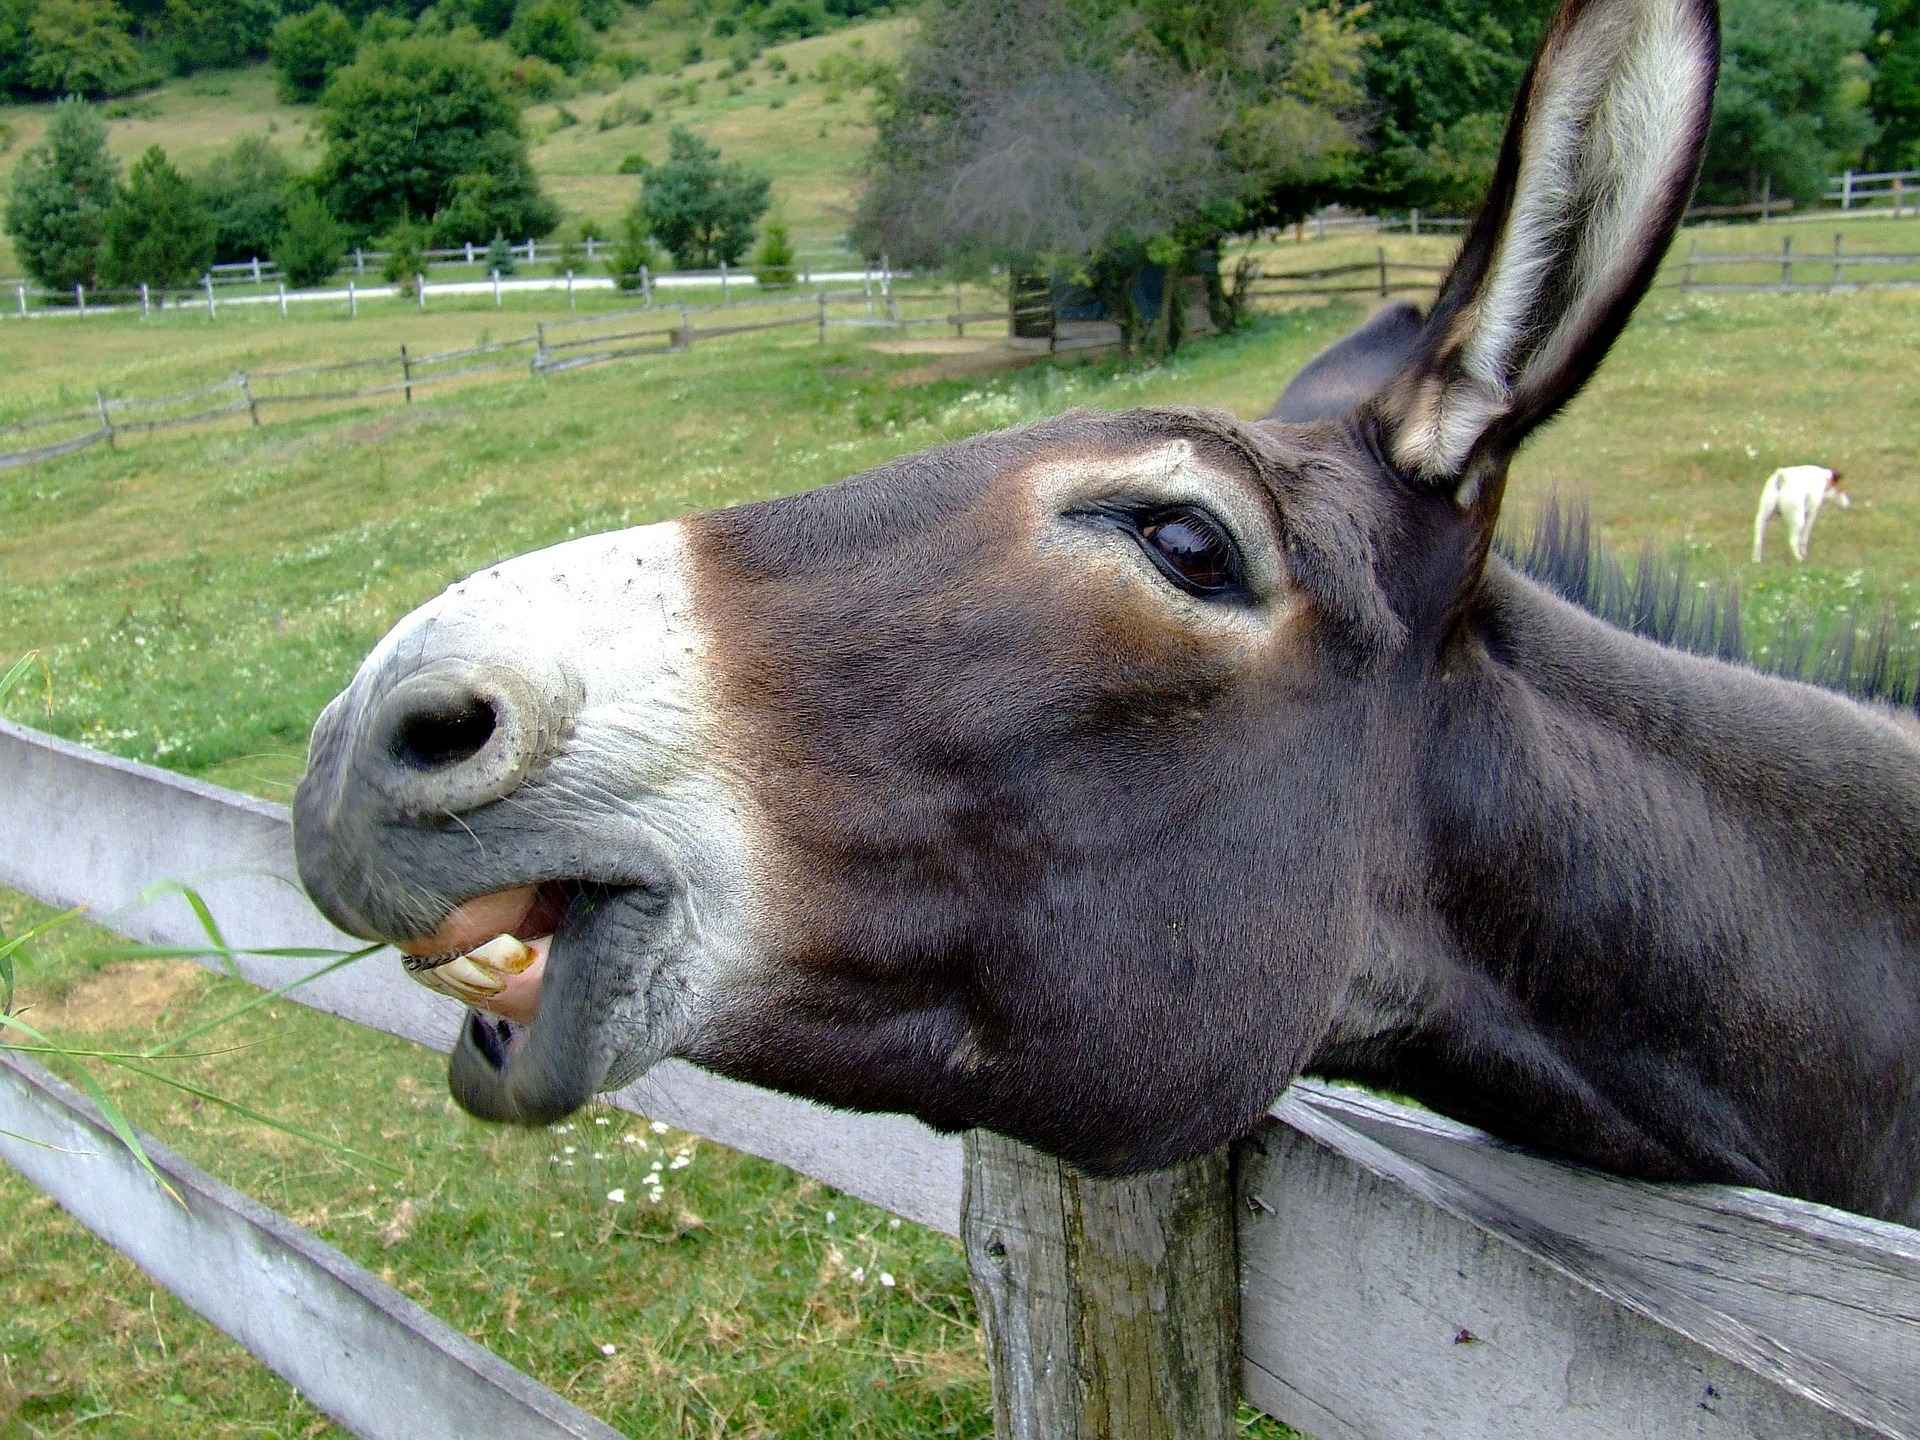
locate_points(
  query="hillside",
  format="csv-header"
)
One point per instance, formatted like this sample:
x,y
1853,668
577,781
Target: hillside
x,y
809,133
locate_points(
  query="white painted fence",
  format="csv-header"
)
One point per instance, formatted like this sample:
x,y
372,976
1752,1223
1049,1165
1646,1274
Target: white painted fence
x,y
1401,1275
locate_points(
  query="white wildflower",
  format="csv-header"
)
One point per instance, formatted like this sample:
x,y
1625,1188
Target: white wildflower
x,y
616,1197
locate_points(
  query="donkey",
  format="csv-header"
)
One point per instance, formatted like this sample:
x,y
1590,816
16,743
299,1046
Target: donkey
x,y
1091,781
1796,493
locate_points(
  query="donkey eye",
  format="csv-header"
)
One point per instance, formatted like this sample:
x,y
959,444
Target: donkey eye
x,y
1192,549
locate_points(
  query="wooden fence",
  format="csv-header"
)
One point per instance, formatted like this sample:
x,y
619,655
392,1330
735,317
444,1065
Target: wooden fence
x,y
554,348
1394,1273
1845,271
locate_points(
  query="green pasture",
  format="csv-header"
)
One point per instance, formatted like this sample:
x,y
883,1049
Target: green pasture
x,y
809,134
198,595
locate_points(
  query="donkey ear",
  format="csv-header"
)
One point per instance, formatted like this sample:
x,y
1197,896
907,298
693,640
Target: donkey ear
x,y
1598,165
1342,376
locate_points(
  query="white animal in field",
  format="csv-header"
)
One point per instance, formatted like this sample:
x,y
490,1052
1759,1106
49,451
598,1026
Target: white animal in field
x,y
1796,492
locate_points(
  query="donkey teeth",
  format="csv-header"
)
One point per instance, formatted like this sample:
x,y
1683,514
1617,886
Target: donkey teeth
x,y
504,955
477,976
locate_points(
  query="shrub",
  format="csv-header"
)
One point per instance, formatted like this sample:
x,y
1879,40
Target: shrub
x,y
600,14
790,20
564,119
634,163
405,261
551,30
773,260
701,208
216,34
725,25
623,112
777,64
572,254
693,54
81,47
307,49
312,245
635,250
536,79
59,198
628,63
487,202
158,230
500,259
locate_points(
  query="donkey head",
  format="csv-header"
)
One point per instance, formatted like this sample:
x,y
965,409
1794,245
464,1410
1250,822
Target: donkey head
x,y
1055,781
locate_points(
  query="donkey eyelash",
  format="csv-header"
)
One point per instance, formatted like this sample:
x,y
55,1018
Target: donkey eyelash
x,y
1221,580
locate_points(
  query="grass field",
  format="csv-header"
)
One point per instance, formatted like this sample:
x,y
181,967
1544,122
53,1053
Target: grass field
x,y
199,596
809,134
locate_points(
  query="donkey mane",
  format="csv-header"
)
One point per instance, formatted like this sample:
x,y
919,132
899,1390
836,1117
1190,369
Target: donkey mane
x,y
1659,600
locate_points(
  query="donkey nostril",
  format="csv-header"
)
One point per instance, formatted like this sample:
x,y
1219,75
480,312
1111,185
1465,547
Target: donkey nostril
x,y
447,733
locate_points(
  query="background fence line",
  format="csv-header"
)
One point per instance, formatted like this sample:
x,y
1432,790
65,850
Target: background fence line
x,y
1398,1272
104,422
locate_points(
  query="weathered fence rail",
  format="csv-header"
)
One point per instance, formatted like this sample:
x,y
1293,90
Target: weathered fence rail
x,y
1398,1274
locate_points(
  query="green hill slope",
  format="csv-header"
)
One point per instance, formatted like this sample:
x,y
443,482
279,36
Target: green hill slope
x,y
808,132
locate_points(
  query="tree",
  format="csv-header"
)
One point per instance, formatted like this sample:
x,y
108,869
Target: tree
x,y
508,202
1791,108
406,260
773,261
701,208
1442,75
81,47
552,31
307,49
158,231
1895,98
311,246
62,191
414,126
634,252
247,189
500,259
216,34
1101,137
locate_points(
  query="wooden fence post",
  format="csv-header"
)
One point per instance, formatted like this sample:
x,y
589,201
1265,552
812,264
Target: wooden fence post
x,y
1838,241
683,337
1766,199
469,245
1413,221
256,269
1846,191
823,316
530,250
420,289
253,406
1786,261
959,325
1111,1307
406,374
496,289
723,283
106,420
145,306
353,300
20,292
1899,198
80,298
539,346
572,304
646,287
212,309
281,285
359,261
1381,252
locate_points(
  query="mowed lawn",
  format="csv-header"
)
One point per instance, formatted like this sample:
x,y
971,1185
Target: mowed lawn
x,y
198,596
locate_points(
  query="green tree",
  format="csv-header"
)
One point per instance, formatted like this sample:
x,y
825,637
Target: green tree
x,y
1895,98
551,30
506,202
247,189
216,34
700,207
81,47
635,251
500,259
410,123
307,49
406,260
773,261
1791,109
158,231
311,245
1441,75
61,193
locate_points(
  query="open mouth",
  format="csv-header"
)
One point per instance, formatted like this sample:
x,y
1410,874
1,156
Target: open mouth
x,y
491,952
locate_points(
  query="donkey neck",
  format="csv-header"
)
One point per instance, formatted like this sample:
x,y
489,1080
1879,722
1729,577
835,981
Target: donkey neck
x,y
1649,878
